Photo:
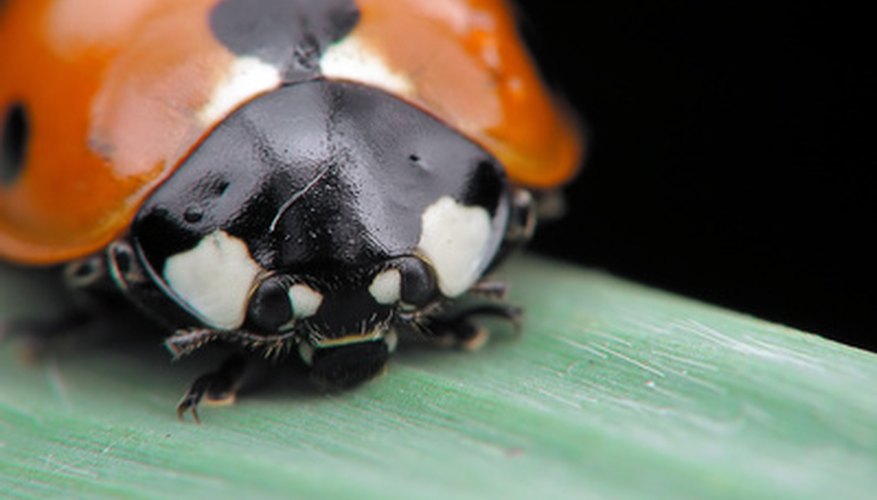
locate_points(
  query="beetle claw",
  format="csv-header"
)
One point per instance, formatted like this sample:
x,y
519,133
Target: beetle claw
x,y
461,331
187,405
219,387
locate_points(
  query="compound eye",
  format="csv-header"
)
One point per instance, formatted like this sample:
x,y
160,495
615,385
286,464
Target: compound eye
x,y
270,307
418,283
408,280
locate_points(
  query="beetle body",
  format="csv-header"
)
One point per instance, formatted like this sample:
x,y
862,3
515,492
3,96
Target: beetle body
x,y
273,172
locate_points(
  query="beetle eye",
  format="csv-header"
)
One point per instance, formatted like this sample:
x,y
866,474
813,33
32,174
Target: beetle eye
x,y
270,307
418,281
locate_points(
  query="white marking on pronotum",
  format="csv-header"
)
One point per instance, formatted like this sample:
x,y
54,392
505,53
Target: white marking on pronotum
x,y
386,288
305,301
215,278
351,59
455,239
246,78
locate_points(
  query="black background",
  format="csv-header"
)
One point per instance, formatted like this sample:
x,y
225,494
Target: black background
x,y
730,147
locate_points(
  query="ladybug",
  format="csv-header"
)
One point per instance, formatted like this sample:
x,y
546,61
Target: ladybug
x,y
293,177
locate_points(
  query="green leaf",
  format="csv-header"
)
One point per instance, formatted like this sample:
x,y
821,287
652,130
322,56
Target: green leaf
x,y
613,390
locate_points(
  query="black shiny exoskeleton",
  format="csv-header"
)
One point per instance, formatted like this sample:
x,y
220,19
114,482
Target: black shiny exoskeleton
x,y
326,184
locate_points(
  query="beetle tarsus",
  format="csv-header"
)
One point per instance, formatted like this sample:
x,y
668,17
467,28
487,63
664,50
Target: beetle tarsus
x,y
36,337
460,330
189,403
186,341
490,289
215,388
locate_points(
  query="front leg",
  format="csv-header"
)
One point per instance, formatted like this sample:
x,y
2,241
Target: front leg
x,y
461,330
91,312
217,388
33,337
44,330
330,368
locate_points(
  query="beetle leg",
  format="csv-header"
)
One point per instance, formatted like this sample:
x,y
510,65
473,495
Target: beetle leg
x,y
550,205
45,329
522,221
91,305
490,289
218,388
186,341
521,225
35,337
462,331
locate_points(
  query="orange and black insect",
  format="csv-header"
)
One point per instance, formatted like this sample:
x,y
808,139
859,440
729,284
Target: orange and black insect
x,y
310,175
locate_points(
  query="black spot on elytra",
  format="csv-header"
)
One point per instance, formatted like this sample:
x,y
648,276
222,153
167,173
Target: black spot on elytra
x,y
15,134
288,34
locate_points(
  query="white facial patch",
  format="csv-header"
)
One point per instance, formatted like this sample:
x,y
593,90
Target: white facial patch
x,y
305,301
455,239
386,288
247,78
215,278
353,60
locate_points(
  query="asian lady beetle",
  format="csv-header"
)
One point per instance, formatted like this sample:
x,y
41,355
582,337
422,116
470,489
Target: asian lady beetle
x,y
285,175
